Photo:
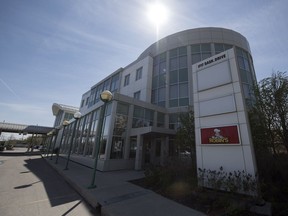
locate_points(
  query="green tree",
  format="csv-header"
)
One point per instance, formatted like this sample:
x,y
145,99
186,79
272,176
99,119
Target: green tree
x,y
185,136
270,114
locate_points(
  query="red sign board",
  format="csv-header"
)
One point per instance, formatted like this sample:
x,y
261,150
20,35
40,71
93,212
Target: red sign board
x,y
220,135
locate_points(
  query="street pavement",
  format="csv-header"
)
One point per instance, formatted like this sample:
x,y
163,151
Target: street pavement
x,y
29,186
113,195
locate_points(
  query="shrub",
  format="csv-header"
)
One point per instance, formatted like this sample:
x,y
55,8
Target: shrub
x,y
237,181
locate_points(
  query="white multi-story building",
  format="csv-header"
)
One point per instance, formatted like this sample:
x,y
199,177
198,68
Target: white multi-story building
x,y
148,95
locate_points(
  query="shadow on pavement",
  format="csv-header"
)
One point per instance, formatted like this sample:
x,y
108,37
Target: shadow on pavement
x,y
58,191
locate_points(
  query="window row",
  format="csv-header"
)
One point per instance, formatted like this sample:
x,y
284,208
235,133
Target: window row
x,y
111,84
138,76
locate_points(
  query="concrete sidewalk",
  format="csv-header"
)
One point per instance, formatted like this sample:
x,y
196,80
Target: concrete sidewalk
x,y
115,195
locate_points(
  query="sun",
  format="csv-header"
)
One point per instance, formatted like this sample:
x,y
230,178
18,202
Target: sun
x,y
157,13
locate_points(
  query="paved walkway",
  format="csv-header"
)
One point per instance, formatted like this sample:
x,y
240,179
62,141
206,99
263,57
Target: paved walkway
x,y
115,195
30,187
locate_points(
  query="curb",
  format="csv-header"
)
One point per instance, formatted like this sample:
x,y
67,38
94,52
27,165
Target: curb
x,y
85,194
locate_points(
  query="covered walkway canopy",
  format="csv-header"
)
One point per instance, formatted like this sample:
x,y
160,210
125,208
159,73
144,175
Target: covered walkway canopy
x,y
25,129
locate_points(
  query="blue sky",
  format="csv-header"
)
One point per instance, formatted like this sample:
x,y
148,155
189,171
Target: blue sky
x,y
54,51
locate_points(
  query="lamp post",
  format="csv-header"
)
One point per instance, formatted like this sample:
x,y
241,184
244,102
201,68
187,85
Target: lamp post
x,y
65,123
105,96
50,143
77,115
54,143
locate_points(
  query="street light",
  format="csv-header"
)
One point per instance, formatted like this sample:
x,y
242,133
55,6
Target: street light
x,y
77,115
50,143
54,143
105,96
65,123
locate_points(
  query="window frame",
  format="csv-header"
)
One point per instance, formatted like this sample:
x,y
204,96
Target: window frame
x,y
126,80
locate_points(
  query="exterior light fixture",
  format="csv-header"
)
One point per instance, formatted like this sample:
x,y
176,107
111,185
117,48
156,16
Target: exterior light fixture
x,y
77,116
105,96
50,134
64,124
55,133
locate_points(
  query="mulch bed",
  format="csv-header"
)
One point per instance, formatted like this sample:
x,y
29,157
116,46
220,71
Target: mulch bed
x,y
210,202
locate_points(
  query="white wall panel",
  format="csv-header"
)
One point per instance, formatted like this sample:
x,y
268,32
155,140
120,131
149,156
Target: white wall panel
x,y
214,76
217,106
229,157
216,120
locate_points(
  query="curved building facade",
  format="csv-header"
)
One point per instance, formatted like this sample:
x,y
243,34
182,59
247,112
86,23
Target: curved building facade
x,y
149,95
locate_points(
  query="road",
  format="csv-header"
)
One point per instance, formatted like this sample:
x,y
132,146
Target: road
x,y
29,186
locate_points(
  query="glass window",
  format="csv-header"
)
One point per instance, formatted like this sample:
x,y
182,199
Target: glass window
x,y
160,119
122,108
173,91
243,76
206,47
103,144
121,120
162,80
139,73
183,90
126,80
246,90
142,117
246,64
138,112
106,126
162,67
183,75
173,121
161,103
227,46
106,85
137,95
195,48
87,100
173,64
115,83
241,62
155,82
159,80
245,54
173,76
196,58
250,78
117,148
154,97
206,55
182,51
133,147
120,125
82,103
162,92
218,48
183,102
173,53
155,70
162,57
108,109
183,62
173,103
98,92
149,114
